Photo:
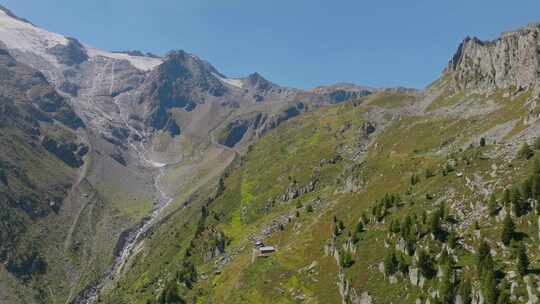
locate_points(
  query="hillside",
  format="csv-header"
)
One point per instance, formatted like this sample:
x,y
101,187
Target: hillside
x,y
399,196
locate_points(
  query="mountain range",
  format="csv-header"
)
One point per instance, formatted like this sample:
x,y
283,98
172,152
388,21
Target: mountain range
x,y
127,177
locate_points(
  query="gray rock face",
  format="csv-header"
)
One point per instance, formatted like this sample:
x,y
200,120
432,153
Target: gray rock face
x,y
70,54
183,81
511,60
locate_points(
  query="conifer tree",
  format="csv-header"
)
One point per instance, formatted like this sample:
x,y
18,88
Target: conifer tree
x,y
435,224
346,260
504,293
403,266
452,239
504,297
535,187
465,291
489,287
484,260
170,295
537,143
506,196
359,227
522,260
508,230
525,152
446,286
493,207
518,205
482,142
391,263
526,189
425,264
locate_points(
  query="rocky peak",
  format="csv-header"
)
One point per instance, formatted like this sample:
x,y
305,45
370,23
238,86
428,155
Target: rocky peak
x,y
182,66
181,81
257,82
510,60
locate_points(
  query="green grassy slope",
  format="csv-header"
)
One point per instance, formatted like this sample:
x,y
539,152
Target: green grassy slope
x,y
305,186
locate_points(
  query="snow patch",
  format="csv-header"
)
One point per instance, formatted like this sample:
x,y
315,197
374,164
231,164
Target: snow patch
x,y
156,164
140,62
19,35
230,81
25,37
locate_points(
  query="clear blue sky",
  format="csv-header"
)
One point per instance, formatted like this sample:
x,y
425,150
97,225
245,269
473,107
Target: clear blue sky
x,y
302,43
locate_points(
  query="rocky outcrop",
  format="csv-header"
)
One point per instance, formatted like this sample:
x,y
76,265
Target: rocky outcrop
x,y
294,190
340,92
234,131
511,60
71,54
49,101
70,153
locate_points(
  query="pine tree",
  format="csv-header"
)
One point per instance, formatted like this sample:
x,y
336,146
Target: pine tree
x,y
493,207
504,297
170,295
537,143
517,202
391,264
394,226
425,264
359,227
435,224
341,226
188,274
525,152
465,291
535,186
484,260
346,260
535,166
506,196
522,260
403,266
526,189
508,230
337,232
504,293
446,287
489,287
452,239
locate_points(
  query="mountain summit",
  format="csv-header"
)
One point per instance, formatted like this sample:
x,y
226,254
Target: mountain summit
x,y
511,60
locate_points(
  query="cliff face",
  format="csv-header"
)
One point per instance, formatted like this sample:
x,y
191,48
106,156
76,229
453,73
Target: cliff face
x,y
510,60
